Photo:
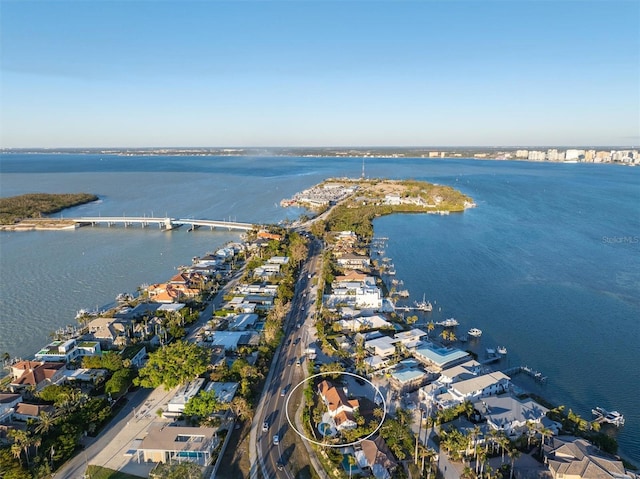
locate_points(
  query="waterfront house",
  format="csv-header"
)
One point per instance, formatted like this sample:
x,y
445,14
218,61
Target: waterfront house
x,y
375,455
573,458
509,414
355,294
340,408
461,372
173,444
439,357
35,374
68,351
412,338
107,330
364,323
353,261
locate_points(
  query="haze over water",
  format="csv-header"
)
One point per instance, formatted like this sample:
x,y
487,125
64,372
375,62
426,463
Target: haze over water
x,y
548,264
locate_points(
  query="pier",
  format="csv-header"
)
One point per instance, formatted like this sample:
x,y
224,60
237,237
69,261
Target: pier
x,y
537,375
162,223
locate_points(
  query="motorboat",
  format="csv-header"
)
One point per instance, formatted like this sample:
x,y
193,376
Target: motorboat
x,y
475,332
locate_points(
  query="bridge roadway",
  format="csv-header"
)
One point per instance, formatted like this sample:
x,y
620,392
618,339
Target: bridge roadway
x,y
163,223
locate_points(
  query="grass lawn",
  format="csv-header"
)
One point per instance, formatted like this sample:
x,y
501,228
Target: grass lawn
x,y
97,472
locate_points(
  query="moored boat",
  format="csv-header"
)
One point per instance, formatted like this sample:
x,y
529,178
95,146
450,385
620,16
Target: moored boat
x,y
423,305
475,332
449,323
610,417
501,350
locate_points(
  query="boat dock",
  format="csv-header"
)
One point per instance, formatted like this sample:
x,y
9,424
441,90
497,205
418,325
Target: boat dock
x,y
537,375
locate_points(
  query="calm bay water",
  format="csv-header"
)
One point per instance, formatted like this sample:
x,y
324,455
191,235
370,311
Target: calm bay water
x,y
547,265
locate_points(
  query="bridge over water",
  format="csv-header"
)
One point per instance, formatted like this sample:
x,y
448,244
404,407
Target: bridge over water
x,y
162,223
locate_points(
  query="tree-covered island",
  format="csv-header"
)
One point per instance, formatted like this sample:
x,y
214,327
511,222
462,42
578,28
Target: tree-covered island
x,y
357,202
15,209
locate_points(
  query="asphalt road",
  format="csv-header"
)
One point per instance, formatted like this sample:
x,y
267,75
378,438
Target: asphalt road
x,y
286,374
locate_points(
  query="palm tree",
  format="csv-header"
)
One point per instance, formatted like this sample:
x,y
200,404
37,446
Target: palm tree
x,y
503,442
513,455
530,428
544,433
16,450
45,423
6,358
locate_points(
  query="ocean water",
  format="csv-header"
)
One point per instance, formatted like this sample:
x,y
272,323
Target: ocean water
x,y
548,264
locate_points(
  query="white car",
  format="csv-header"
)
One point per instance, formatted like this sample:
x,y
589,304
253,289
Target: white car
x,y
265,426
276,439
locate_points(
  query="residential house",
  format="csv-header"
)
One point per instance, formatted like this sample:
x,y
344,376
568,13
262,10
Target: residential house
x,y
26,411
410,339
107,330
263,234
573,458
182,396
171,444
35,374
340,408
439,357
353,261
8,402
461,372
510,414
375,455
364,323
68,351
383,346
355,294
406,379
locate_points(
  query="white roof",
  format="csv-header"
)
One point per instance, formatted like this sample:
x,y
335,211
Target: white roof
x,y
479,383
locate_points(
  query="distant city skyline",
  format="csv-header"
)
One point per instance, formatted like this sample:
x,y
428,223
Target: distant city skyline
x,y
319,74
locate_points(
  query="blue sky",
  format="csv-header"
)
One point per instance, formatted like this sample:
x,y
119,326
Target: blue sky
x,y
319,73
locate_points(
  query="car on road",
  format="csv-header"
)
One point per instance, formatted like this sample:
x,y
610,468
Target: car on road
x,y
265,426
299,361
280,465
296,341
285,390
291,361
276,439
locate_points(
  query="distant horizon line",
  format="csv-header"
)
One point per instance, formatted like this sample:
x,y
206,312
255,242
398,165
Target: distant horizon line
x,y
352,147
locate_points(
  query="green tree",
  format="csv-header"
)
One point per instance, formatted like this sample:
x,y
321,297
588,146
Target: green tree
x,y
119,382
203,404
172,365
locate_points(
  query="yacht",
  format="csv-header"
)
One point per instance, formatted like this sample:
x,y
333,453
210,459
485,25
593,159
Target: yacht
x,y
502,350
611,417
475,332
449,323
423,305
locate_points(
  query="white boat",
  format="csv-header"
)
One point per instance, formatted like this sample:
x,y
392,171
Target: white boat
x,y
501,350
423,305
449,323
475,332
611,417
